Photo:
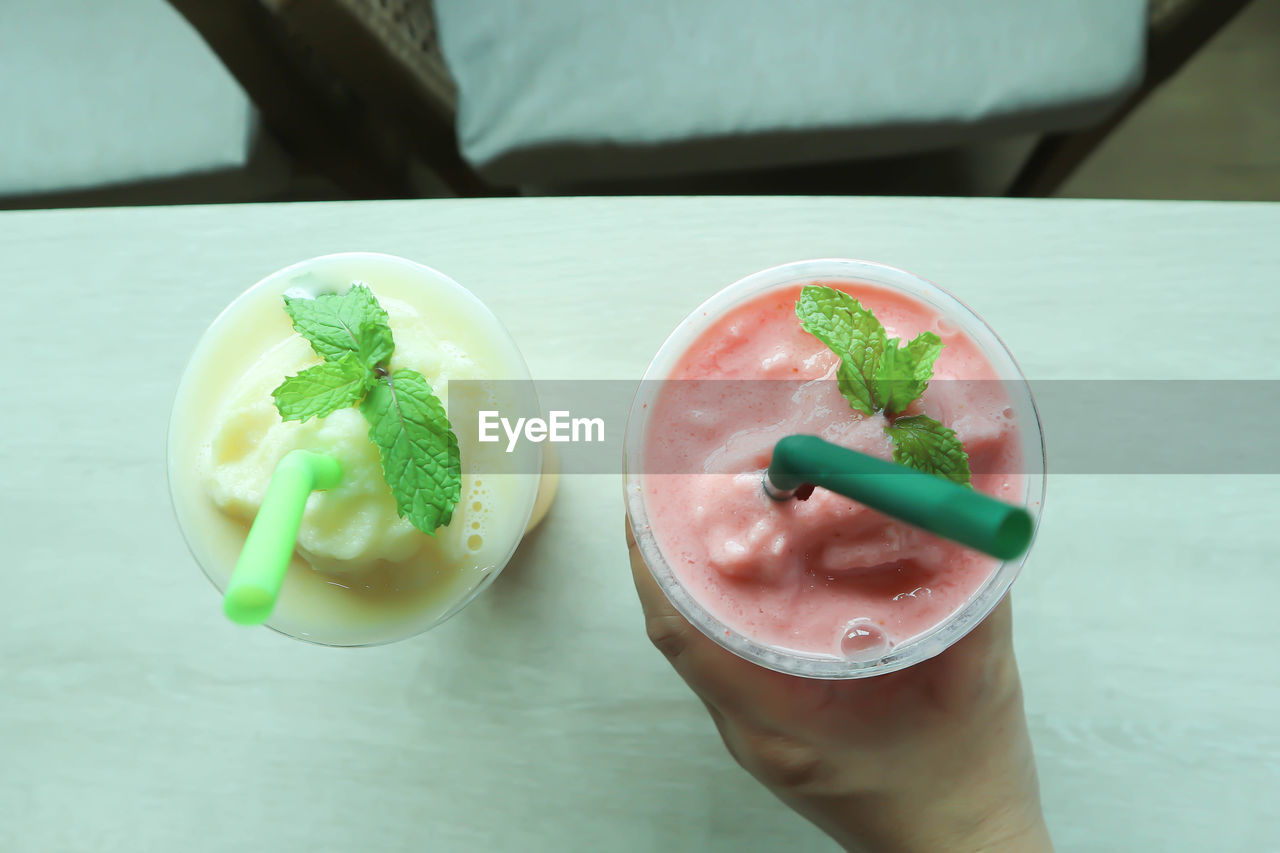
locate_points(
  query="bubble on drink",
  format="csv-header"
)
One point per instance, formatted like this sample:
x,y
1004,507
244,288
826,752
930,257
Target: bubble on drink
x,y
863,640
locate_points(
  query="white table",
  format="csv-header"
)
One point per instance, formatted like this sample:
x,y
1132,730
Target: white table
x,y
133,717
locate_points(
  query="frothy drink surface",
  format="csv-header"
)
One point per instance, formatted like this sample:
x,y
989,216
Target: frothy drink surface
x,y
824,575
360,573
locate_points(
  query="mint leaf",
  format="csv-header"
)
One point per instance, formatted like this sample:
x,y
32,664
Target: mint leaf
x,y
851,332
323,389
922,443
339,323
418,448
877,373
407,422
904,372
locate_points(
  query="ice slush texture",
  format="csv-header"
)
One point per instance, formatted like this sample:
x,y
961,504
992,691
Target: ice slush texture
x,y
796,574
353,527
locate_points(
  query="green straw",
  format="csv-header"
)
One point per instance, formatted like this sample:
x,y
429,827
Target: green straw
x,y
936,504
259,573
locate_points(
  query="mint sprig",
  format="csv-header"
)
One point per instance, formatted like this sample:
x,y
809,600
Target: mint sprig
x,y
348,322
420,462
323,389
407,422
905,371
879,374
922,443
851,332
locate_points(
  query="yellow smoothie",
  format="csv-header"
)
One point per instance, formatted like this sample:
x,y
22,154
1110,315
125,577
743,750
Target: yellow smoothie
x,y
360,574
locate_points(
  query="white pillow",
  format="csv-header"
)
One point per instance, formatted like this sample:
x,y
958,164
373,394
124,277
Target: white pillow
x,y
562,90
101,93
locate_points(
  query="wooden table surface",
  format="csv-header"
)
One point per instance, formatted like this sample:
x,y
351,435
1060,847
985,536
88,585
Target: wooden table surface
x,y
134,717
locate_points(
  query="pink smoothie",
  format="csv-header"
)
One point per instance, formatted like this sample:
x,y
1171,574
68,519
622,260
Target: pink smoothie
x,y
824,575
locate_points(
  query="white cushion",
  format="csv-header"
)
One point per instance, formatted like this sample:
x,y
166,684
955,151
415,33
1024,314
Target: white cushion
x,y
574,89
111,92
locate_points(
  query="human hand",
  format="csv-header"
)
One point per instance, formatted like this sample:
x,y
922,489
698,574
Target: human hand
x,y
934,757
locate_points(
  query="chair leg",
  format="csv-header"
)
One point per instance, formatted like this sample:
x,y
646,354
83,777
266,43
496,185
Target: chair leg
x,y
1058,155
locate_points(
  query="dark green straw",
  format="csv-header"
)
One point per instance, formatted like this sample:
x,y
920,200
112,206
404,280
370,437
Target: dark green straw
x,y
936,504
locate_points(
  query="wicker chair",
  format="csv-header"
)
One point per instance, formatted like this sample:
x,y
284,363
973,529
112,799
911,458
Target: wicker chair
x,y
357,90
354,90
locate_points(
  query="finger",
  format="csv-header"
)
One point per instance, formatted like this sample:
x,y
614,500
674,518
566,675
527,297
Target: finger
x,y
724,681
993,636
992,641
999,622
973,667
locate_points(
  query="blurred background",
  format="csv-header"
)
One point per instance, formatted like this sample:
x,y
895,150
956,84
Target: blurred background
x,y
209,101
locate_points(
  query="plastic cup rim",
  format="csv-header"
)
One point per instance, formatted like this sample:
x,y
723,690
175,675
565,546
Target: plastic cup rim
x,y
794,662
292,269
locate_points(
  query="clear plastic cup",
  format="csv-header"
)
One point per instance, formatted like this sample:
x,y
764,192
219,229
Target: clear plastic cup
x,y
396,601
798,662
